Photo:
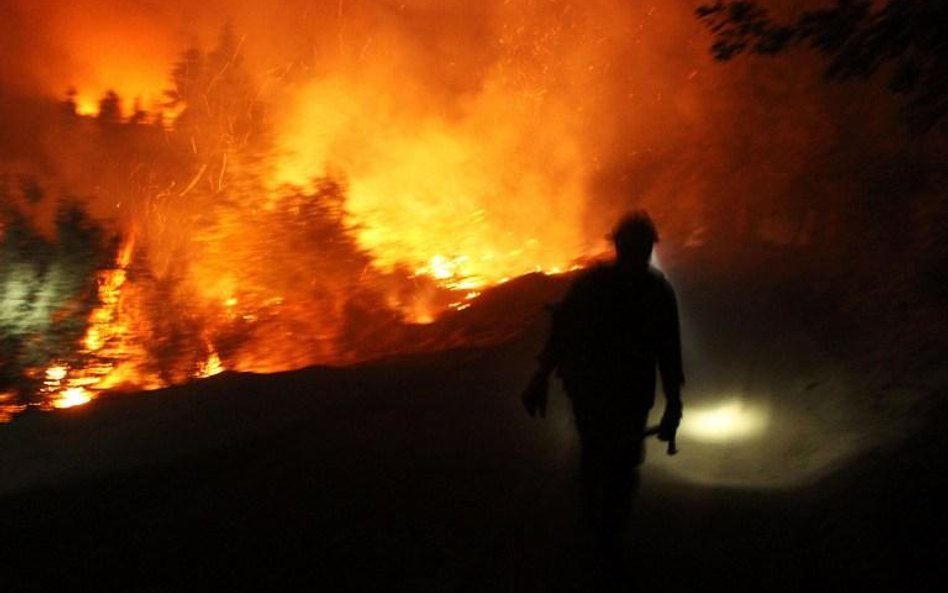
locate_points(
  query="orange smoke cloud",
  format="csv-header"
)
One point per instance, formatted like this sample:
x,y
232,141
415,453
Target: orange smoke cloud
x,y
491,180
456,144
465,131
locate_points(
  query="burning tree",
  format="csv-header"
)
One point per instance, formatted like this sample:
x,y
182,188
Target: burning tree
x,y
220,120
47,292
233,257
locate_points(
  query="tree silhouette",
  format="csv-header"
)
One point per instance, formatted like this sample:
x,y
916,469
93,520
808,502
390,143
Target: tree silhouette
x,y
220,119
187,77
905,37
69,104
110,108
47,291
139,114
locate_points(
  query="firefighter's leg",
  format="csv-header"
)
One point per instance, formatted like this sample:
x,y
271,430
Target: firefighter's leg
x,y
620,486
591,479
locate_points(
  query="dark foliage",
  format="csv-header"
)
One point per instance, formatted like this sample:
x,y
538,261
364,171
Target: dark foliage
x,y
110,108
217,98
905,38
47,291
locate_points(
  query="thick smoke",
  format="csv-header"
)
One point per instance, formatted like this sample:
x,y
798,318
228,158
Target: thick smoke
x,y
468,141
620,97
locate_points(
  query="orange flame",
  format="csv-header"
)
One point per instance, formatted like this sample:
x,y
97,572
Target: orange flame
x,y
455,191
107,344
496,191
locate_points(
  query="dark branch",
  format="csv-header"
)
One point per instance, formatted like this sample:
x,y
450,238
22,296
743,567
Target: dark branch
x,y
908,35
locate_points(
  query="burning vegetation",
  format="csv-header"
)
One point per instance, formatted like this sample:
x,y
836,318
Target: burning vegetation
x,y
201,236
317,183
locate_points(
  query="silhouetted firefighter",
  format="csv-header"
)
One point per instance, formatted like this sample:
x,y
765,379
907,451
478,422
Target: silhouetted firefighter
x,y
617,323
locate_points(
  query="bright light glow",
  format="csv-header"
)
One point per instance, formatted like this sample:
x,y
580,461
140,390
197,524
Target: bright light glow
x,y
87,106
451,272
56,373
728,422
656,261
442,268
74,396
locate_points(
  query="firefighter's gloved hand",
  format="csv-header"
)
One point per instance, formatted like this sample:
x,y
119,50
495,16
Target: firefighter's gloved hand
x,y
668,427
534,396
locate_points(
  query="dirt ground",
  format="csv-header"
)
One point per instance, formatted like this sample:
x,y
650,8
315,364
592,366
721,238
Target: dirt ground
x,y
424,473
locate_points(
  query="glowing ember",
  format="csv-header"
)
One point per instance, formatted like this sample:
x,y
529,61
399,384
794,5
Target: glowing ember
x,y
212,366
9,406
443,268
451,272
72,397
56,374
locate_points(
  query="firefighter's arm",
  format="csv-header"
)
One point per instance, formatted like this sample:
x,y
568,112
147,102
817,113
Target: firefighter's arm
x,y
671,370
535,395
671,418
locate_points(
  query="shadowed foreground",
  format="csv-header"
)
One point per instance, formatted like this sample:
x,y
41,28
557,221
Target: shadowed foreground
x,y
425,473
